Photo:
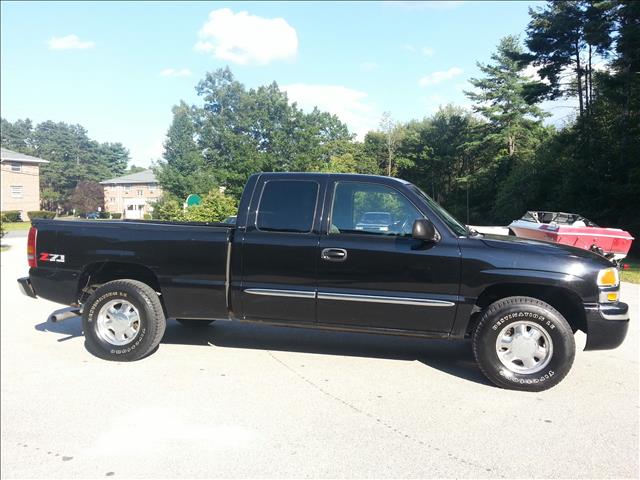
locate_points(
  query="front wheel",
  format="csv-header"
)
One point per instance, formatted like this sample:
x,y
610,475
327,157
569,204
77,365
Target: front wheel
x,y
523,343
123,320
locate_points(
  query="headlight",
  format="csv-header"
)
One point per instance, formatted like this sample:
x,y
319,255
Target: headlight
x,y
608,277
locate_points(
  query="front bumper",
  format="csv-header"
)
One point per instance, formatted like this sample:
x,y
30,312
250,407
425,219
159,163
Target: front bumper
x,y
607,325
26,287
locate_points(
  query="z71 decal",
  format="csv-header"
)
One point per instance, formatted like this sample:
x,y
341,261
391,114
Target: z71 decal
x,y
51,257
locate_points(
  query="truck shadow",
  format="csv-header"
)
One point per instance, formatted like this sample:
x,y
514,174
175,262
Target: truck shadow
x,y
71,327
451,357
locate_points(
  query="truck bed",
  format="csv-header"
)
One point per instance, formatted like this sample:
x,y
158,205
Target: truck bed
x,y
187,262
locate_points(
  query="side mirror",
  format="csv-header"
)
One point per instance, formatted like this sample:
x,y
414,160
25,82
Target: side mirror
x,y
424,230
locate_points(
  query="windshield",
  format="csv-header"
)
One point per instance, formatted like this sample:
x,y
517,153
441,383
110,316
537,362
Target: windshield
x,y
457,227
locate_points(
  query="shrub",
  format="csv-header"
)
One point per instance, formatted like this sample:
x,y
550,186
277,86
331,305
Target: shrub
x,y
104,214
215,207
116,216
147,216
11,216
41,214
168,207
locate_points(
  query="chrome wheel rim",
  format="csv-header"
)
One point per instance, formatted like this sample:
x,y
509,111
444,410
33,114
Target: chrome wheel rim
x,y
118,322
524,347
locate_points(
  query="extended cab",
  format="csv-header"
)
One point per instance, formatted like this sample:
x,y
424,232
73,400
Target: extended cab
x,y
307,251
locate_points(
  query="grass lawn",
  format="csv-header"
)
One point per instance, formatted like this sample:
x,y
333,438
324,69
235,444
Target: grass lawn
x,y
13,226
633,273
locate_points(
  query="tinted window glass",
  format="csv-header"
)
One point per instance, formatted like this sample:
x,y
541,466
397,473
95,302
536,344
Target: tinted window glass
x,y
287,206
371,208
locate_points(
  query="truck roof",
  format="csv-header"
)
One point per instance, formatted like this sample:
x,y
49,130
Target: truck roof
x,y
360,176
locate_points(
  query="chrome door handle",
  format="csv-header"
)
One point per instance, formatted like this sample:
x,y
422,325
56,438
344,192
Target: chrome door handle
x,y
334,254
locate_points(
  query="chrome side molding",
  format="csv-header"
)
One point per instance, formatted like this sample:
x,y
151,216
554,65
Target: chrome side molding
x,y
349,297
271,292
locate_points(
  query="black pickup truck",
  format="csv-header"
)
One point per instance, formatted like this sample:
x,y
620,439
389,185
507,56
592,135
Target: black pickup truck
x,y
342,252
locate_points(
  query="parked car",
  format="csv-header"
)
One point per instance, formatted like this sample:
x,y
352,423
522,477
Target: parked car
x,y
374,222
575,230
296,258
91,215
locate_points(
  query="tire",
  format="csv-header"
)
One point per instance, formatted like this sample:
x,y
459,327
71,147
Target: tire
x,y
111,308
189,323
522,343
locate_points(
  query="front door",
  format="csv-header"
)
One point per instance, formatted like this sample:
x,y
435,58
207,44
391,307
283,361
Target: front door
x,y
279,251
372,273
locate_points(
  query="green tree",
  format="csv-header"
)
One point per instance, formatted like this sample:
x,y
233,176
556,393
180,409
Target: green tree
x,y
563,37
183,170
242,131
168,207
499,97
215,207
73,156
17,136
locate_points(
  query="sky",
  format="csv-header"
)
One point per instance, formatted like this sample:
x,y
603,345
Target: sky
x,y
117,68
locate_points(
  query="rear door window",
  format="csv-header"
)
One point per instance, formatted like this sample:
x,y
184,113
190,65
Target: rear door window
x,y
287,206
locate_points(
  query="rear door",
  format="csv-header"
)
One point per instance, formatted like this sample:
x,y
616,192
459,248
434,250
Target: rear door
x,y
279,251
374,274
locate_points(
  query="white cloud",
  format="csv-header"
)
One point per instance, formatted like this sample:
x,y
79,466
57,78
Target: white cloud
x,y
175,72
349,105
439,77
427,51
69,42
369,66
247,39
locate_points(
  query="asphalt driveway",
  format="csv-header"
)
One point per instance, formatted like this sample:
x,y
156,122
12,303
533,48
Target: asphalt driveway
x,y
250,401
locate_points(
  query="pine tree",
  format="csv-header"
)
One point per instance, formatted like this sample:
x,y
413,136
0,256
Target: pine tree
x,y
499,97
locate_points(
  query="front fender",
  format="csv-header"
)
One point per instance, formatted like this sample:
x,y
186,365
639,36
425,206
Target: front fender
x,y
480,289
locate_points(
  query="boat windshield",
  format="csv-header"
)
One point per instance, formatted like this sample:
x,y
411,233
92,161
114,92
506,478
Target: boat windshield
x,y
559,218
457,227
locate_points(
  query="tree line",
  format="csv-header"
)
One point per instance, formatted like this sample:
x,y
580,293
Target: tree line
x,y
487,165
76,162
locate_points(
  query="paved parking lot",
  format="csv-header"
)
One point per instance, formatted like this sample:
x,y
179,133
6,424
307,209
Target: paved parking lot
x,y
251,401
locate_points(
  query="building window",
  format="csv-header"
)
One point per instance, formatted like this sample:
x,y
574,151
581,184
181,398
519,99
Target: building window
x,y
16,191
112,199
140,193
127,188
16,167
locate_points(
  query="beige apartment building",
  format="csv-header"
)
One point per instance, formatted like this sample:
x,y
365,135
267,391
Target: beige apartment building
x,y
131,195
20,182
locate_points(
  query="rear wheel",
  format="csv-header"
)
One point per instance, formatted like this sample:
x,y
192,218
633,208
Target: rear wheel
x,y
523,343
123,320
190,323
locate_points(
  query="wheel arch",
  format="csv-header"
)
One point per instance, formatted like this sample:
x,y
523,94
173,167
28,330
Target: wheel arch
x,y
99,273
567,302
